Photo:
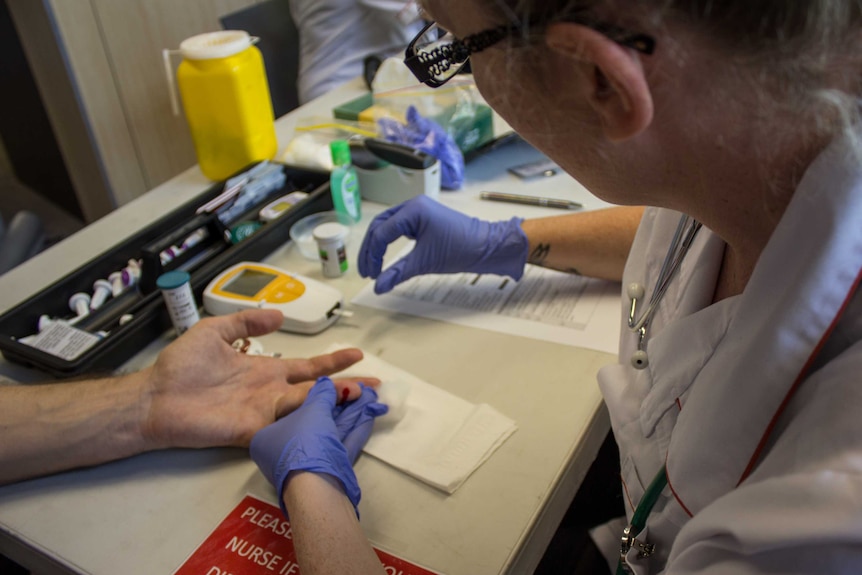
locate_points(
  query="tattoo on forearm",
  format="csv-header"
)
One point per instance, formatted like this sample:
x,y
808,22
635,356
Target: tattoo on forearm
x,y
539,254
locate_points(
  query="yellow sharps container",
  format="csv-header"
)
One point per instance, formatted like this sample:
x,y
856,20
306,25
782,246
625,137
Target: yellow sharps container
x,y
223,86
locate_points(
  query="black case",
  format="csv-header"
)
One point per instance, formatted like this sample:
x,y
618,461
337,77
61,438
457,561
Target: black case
x,y
150,316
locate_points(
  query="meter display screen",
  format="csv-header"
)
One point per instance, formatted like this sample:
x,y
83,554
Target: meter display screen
x,y
248,283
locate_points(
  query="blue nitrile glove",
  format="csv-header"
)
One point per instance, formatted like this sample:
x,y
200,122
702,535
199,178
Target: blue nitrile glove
x,y
428,136
447,241
356,420
310,439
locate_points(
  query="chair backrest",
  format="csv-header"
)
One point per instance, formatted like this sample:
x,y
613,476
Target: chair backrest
x,y
279,44
21,240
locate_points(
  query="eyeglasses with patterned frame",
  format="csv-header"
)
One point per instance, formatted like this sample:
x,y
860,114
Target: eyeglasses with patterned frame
x,y
448,55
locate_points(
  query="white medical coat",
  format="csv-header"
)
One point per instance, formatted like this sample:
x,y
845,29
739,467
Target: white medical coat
x,y
719,400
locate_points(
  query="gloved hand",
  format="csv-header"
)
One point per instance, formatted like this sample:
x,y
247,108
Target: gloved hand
x,y
356,420
310,439
447,241
428,136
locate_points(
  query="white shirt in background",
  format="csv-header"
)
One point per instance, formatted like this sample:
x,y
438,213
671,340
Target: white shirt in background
x,y
335,37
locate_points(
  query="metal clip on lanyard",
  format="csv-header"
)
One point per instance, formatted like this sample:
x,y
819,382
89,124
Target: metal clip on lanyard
x,y
682,240
638,522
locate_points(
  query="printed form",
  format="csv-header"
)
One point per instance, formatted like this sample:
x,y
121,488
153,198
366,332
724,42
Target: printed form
x,y
544,304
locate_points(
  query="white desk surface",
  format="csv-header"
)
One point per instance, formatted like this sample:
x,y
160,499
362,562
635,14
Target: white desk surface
x,y
146,514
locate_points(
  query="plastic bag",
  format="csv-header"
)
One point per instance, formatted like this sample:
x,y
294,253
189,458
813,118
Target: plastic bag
x,y
427,136
457,107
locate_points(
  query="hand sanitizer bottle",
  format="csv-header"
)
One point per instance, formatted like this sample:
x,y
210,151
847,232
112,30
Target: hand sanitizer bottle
x,y
343,181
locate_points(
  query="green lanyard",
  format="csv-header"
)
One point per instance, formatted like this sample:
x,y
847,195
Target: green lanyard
x,y
638,522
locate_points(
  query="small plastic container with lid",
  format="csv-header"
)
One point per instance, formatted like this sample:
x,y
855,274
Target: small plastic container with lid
x,y
177,291
330,239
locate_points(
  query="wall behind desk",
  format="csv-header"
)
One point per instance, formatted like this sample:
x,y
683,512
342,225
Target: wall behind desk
x,y
98,66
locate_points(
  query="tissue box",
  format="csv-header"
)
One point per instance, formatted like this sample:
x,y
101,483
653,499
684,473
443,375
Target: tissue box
x,y
353,110
470,133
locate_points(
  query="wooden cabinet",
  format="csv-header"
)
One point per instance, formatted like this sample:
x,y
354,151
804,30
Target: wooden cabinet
x,y
99,68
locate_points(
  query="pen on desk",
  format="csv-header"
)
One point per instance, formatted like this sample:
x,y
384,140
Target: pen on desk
x,y
531,200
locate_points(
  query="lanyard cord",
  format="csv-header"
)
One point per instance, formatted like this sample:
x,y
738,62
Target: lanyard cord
x,y
638,522
679,246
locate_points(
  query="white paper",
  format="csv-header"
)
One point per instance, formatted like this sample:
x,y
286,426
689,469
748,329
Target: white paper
x,y
544,304
62,340
441,439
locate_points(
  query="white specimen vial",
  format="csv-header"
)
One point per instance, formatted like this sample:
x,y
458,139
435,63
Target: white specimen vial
x,y
177,290
330,245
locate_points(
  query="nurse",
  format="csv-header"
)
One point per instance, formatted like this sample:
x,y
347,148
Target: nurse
x,y
736,397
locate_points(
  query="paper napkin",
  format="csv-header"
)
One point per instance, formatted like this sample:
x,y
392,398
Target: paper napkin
x,y
440,438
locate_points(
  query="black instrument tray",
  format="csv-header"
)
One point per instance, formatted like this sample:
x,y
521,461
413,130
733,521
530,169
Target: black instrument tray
x,y
149,316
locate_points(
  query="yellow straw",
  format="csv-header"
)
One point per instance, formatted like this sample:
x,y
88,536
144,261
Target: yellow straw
x,y
346,128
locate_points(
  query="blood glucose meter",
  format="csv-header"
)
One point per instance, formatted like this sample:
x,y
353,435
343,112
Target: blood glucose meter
x,y
308,306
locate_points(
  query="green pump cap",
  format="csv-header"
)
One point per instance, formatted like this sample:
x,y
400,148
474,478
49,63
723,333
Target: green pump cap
x,y
340,150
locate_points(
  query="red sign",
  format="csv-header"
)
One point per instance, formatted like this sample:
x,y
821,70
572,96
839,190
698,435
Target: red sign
x,y
255,539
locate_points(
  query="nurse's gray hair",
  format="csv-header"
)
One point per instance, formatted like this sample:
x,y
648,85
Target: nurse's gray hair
x,y
808,52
